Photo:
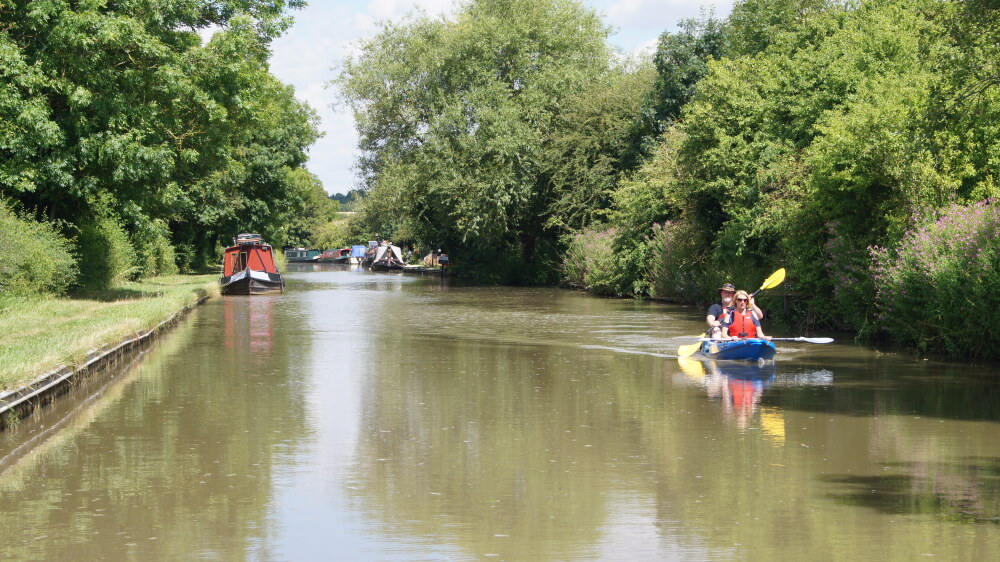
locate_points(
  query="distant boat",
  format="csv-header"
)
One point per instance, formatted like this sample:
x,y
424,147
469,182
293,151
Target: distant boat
x,y
248,268
358,253
301,255
342,255
388,258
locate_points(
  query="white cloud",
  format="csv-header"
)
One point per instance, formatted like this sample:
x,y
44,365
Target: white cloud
x,y
647,49
392,9
637,22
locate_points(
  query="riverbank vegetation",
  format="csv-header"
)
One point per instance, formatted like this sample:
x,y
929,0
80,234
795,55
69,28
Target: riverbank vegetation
x,y
140,137
845,141
831,138
136,139
42,333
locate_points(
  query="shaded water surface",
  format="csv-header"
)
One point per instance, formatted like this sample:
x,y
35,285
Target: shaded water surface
x,y
369,416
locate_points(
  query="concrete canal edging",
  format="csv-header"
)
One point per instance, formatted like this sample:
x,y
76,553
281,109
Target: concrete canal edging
x,y
20,403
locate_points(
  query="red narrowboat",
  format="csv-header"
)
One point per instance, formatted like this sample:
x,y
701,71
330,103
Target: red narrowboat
x,y
248,268
342,255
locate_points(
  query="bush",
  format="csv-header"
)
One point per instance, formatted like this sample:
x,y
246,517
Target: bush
x,y
589,262
186,256
331,235
105,253
37,259
676,269
846,270
154,253
933,290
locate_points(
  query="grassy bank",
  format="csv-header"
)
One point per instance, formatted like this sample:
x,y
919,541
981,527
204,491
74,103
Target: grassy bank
x,y
40,334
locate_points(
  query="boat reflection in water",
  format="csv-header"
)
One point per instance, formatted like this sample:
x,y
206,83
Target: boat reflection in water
x,y
740,386
249,329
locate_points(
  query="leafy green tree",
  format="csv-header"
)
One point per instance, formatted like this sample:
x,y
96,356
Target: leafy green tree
x,y
332,235
453,113
644,200
118,108
681,61
314,210
28,135
347,200
754,25
838,132
593,141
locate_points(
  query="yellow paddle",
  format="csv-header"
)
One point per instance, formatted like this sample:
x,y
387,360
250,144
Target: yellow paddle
x,y
771,282
687,350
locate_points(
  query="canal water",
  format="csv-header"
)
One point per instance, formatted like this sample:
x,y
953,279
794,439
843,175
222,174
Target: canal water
x,y
364,416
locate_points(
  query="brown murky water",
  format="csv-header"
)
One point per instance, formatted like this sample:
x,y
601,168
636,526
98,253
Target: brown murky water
x,y
379,417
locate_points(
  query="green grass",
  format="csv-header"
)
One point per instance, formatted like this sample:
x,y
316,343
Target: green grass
x,y
39,334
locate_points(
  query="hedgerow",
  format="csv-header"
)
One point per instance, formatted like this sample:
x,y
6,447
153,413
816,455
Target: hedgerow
x,y
37,259
937,289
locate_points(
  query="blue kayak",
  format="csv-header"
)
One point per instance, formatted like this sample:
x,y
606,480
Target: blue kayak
x,y
740,350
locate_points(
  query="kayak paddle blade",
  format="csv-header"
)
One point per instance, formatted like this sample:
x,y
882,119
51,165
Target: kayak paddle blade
x,y
774,280
688,350
807,340
815,340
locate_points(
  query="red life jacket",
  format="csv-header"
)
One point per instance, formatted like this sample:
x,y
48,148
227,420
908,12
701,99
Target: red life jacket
x,y
742,325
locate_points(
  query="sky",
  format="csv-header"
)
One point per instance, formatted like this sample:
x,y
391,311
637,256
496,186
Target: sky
x,y
324,32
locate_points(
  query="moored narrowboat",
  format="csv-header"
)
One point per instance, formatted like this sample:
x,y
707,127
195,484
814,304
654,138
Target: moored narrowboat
x,y
248,268
342,255
301,255
358,253
387,258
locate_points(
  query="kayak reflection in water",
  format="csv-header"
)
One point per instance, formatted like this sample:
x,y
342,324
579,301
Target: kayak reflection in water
x,y
739,386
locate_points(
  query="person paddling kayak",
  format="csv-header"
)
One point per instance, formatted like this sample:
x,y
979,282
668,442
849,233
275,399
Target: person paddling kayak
x,y
719,313
742,322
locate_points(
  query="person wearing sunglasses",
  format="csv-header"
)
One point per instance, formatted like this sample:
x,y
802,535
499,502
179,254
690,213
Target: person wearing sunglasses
x,y
743,322
718,314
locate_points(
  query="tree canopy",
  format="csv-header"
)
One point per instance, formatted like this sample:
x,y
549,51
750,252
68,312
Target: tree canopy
x,y
808,134
119,109
454,116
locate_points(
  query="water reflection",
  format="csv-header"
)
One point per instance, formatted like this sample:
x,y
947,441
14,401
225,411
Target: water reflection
x,y
917,471
373,417
967,491
496,449
249,329
739,386
176,459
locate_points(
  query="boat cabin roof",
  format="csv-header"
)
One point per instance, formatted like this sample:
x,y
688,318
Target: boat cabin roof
x,y
248,238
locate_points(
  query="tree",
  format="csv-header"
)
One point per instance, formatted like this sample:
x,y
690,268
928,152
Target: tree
x,y
597,137
117,111
452,115
681,60
754,25
314,209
